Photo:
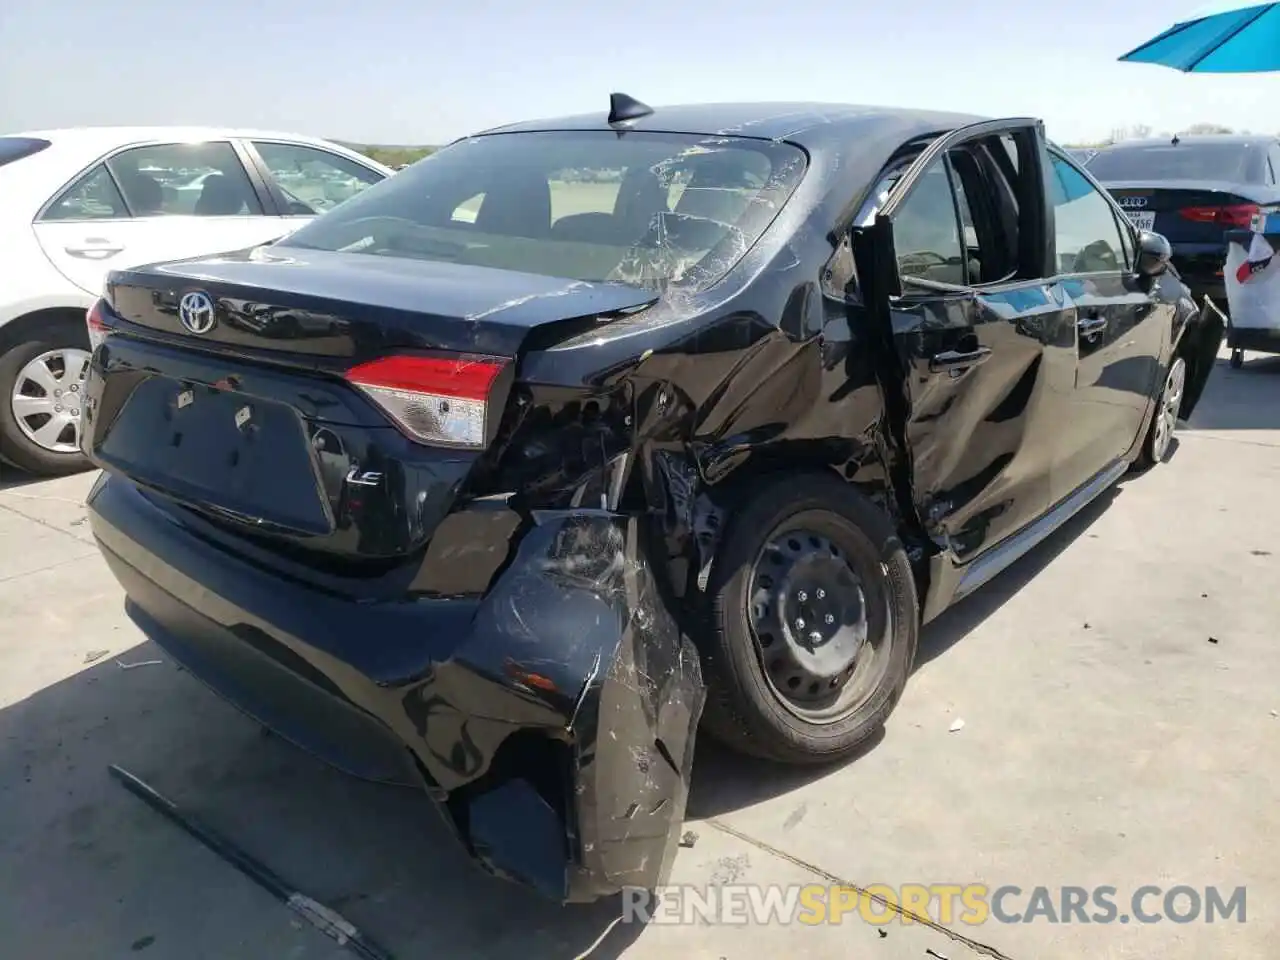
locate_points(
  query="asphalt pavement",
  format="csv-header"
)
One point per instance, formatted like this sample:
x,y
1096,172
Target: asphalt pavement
x,y
1105,714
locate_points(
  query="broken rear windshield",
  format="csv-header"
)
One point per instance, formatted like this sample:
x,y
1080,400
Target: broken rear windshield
x,y
641,208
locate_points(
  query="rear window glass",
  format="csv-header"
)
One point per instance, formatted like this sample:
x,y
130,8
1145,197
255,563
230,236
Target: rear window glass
x,y
644,208
1236,162
16,148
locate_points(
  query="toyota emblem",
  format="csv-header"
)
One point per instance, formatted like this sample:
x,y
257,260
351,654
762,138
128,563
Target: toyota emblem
x,y
195,310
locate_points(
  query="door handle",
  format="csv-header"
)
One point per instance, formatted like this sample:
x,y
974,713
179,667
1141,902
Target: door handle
x,y
94,248
955,361
1091,325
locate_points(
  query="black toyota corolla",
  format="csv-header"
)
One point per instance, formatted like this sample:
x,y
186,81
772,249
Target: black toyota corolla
x,y
490,479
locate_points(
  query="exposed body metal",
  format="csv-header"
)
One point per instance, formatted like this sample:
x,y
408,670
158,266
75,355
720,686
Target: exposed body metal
x,y
512,628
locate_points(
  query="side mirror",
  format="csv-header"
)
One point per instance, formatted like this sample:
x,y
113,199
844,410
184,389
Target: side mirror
x,y
1153,254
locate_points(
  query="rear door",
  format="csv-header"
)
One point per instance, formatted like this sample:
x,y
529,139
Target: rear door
x,y
152,202
978,331
1119,325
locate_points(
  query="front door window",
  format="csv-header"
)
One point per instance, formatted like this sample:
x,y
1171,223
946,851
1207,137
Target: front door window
x,y
1085,228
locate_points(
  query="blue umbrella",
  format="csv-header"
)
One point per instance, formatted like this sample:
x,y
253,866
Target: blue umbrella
x,y
1226,38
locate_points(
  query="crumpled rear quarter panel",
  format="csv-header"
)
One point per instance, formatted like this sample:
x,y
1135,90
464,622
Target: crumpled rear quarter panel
x,y
552,719
573,642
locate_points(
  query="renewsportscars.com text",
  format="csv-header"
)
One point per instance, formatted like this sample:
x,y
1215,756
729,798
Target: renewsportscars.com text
x,y
945,903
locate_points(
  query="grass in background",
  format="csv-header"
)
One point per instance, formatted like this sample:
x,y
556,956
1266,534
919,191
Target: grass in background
x,y
390,156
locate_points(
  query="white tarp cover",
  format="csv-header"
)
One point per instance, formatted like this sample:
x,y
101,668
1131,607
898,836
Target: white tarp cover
x,y
1253,284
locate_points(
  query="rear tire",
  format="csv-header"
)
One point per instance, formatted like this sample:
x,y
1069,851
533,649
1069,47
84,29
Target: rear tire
x,y
21,390
807,546
1237,359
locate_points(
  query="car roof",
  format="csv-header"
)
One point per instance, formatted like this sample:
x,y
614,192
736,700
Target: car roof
x,y
808,124
107,137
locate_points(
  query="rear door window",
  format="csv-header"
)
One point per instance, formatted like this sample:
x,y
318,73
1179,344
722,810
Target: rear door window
x,y
648,208
927,233
986,188
959,224
184,179
93,197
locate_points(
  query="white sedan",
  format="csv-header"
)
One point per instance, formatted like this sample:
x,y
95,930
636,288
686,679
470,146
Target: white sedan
x,y
77,203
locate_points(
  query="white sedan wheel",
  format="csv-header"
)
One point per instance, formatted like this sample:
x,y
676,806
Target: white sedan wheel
x,y
47,398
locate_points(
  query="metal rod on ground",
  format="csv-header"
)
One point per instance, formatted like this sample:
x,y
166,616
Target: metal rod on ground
x,y
327,921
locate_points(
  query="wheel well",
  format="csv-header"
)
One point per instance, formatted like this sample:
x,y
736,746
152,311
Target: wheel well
x,y
728,493
728,496
21,328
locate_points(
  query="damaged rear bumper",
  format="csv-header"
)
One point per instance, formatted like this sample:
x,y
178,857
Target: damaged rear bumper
x,y
551,720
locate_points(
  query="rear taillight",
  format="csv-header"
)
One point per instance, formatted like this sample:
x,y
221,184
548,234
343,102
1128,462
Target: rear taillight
x,y
1237,215
98,329
435,400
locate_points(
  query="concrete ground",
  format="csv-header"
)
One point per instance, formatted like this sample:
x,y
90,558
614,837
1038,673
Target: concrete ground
x,y
1118,690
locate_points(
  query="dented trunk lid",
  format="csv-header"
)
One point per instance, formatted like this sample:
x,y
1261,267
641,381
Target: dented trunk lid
x,y
314,304
251,424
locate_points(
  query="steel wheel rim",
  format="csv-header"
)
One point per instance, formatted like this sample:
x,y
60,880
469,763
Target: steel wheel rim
x,y
820,670
1167,412
47,399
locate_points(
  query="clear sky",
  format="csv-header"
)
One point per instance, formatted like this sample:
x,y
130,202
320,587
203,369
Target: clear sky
x,y
398,71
